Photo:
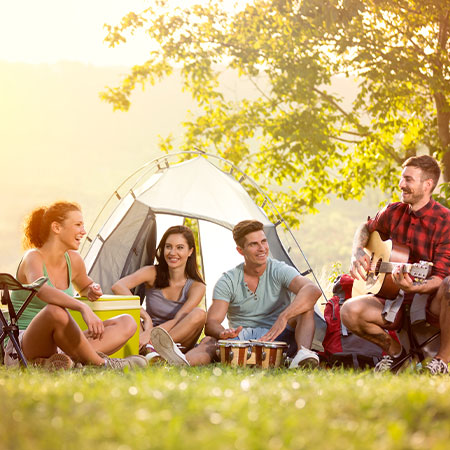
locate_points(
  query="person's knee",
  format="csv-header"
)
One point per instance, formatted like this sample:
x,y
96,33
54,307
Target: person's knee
x,y
302,320
350,312
128,324
308,315
57,315
315,296
198,315
445,287
441,301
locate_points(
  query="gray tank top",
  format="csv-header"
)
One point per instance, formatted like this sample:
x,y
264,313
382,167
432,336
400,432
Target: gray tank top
x,y
159,308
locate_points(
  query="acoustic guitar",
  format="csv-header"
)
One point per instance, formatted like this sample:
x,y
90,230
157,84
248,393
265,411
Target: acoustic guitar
x,y
384,257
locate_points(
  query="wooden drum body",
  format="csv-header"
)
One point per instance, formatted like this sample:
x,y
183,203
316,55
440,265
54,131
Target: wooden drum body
x,y
235,353
268,355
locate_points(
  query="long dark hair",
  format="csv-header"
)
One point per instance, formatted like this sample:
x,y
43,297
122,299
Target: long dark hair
x,y
162,270
38,223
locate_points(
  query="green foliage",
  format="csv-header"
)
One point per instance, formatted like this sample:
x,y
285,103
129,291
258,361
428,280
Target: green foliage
x,y
443,196
196,408
336,270
293,129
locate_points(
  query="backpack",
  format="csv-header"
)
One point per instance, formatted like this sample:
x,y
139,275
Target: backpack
x,y
341,347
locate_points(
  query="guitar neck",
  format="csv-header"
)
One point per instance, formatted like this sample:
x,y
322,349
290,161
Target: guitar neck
x,y
388,267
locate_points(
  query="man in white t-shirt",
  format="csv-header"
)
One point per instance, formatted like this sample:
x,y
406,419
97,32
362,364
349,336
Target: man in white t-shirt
x,y
256,298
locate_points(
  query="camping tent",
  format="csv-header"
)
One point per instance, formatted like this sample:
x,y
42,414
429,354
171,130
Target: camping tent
x,y
205,188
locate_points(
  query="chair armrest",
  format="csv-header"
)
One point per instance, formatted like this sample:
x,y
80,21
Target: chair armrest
x,y
36,284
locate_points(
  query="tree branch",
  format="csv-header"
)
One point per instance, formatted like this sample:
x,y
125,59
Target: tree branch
x,y
331,101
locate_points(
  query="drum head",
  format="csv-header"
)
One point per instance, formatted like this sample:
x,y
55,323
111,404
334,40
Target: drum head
x,y
257,343
273,344
231,343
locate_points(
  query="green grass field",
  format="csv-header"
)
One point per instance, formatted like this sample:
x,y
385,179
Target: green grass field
x,y
222,408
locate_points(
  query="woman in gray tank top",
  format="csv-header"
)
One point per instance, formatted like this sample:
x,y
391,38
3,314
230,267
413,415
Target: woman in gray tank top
x,y
174,290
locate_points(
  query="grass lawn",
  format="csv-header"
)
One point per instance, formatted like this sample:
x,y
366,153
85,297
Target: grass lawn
x,y
219,407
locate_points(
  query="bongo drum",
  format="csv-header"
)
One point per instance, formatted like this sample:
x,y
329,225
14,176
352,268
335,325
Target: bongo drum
x,y
269,354
252,358
235,353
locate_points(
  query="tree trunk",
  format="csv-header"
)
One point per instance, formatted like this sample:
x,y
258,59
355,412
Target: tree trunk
x,y
443,125
446,166
442,105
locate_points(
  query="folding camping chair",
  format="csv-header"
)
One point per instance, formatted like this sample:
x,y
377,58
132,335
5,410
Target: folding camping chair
x,y
422,340
11,329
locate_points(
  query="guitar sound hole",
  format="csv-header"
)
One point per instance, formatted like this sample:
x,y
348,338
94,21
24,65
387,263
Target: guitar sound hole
x,y
377,268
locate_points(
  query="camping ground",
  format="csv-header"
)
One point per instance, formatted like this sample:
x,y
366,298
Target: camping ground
x,y
54,125
223,408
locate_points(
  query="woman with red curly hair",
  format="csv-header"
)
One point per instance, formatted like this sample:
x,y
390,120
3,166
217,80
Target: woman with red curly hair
x,y
49,336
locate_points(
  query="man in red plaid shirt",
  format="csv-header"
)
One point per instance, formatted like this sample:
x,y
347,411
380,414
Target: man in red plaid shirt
x,y
423,225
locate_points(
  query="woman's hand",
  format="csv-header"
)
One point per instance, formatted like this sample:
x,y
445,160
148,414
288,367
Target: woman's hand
x,y
94,292
144,335
94,323
145,328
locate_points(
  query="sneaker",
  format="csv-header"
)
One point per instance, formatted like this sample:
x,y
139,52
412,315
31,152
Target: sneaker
x,y
437,366
154,358
116,363
151,355
305,358
146,349
131,361
58,361
164,345
389,363
136,361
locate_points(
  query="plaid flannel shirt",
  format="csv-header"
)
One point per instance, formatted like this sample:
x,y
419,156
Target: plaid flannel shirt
x,y
426,232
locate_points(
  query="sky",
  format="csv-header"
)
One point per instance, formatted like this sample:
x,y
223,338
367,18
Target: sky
x,y
52,122
48,31
55,132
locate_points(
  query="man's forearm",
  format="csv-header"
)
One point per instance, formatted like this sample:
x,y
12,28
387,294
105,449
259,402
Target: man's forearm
x,y
213,329
360,239
428,287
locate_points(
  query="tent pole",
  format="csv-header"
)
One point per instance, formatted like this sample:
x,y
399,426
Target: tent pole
x,y
200,251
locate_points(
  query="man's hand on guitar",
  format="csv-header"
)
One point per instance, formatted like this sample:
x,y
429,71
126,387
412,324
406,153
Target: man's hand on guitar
x,y
360,264
402,279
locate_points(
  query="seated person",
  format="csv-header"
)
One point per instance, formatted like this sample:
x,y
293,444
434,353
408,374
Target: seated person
x,y
255,296
49,336
421,224
174,289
